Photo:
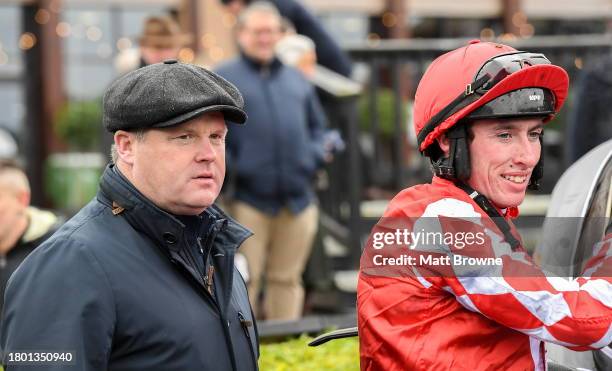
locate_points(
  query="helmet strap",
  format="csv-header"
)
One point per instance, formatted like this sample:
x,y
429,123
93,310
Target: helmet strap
x,y
456,165
492,212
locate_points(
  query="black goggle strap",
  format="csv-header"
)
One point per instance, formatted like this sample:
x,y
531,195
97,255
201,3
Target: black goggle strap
x,y
492,212
454,106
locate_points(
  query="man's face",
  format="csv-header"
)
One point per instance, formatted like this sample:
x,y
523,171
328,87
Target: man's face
x,y
181,168
503,154
258,36
152,55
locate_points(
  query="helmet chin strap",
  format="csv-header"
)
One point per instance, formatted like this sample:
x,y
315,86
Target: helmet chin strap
x,y
457,164
492,212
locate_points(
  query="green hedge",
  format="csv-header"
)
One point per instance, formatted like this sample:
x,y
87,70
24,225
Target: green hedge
x,y
296,355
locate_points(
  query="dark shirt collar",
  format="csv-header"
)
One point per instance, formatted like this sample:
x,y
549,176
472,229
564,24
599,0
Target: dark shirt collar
x,y
273,66
166,229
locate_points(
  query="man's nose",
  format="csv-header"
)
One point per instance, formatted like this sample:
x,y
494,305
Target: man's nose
x,y
206,151
528,152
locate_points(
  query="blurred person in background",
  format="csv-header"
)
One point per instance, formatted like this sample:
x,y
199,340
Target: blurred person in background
x,y
273,161
8,145
590,119
298,51
22,227
329,53
161,39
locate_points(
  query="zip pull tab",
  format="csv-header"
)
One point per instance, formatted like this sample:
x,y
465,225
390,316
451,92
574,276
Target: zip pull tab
x,y
199,241
245,324
209,279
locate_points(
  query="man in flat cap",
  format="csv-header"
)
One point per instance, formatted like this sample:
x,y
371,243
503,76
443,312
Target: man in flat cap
x,y
143,277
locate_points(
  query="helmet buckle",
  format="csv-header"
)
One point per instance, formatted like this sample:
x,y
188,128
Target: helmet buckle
x,y
469,90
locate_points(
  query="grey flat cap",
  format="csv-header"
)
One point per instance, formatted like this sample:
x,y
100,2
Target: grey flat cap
x,y
166,94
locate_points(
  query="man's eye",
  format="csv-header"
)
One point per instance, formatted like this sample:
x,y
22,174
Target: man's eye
x,y
217,137
504,135
535,134
184,137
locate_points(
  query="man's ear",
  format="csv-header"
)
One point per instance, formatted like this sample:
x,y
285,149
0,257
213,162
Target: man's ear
x,y
125,143
24,197
444,144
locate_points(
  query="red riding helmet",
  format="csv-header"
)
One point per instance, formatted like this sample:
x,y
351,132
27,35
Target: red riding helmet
x,y
483,80
453,77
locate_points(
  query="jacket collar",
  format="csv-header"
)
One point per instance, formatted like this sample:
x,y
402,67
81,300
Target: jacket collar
x,y
117,193
260,67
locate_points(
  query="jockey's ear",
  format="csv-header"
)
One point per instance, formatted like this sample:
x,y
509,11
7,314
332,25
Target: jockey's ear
x,y
444,144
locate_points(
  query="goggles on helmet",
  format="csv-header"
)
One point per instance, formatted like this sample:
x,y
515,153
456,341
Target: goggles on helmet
x,y
490,74
500,66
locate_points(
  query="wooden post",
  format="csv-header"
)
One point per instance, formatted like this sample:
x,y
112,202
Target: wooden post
x,y
214,34
44,93
510,8
189,11
396,16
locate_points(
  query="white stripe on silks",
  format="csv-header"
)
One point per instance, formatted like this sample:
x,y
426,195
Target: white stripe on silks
x,y
498,245
501,248
596,251
605,340
536,354
462,299
420,278
601,290
428,225
548,308
475,270
451,207
542,334
467,303
429,222
563,284
598,246
589,272
485,285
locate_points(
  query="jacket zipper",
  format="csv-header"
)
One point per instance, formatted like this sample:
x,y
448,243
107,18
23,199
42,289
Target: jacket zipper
x,y
225,324
266,81
245,324
208,280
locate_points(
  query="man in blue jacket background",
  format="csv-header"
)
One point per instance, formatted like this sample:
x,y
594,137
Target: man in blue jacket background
x,y
329,53
273,160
